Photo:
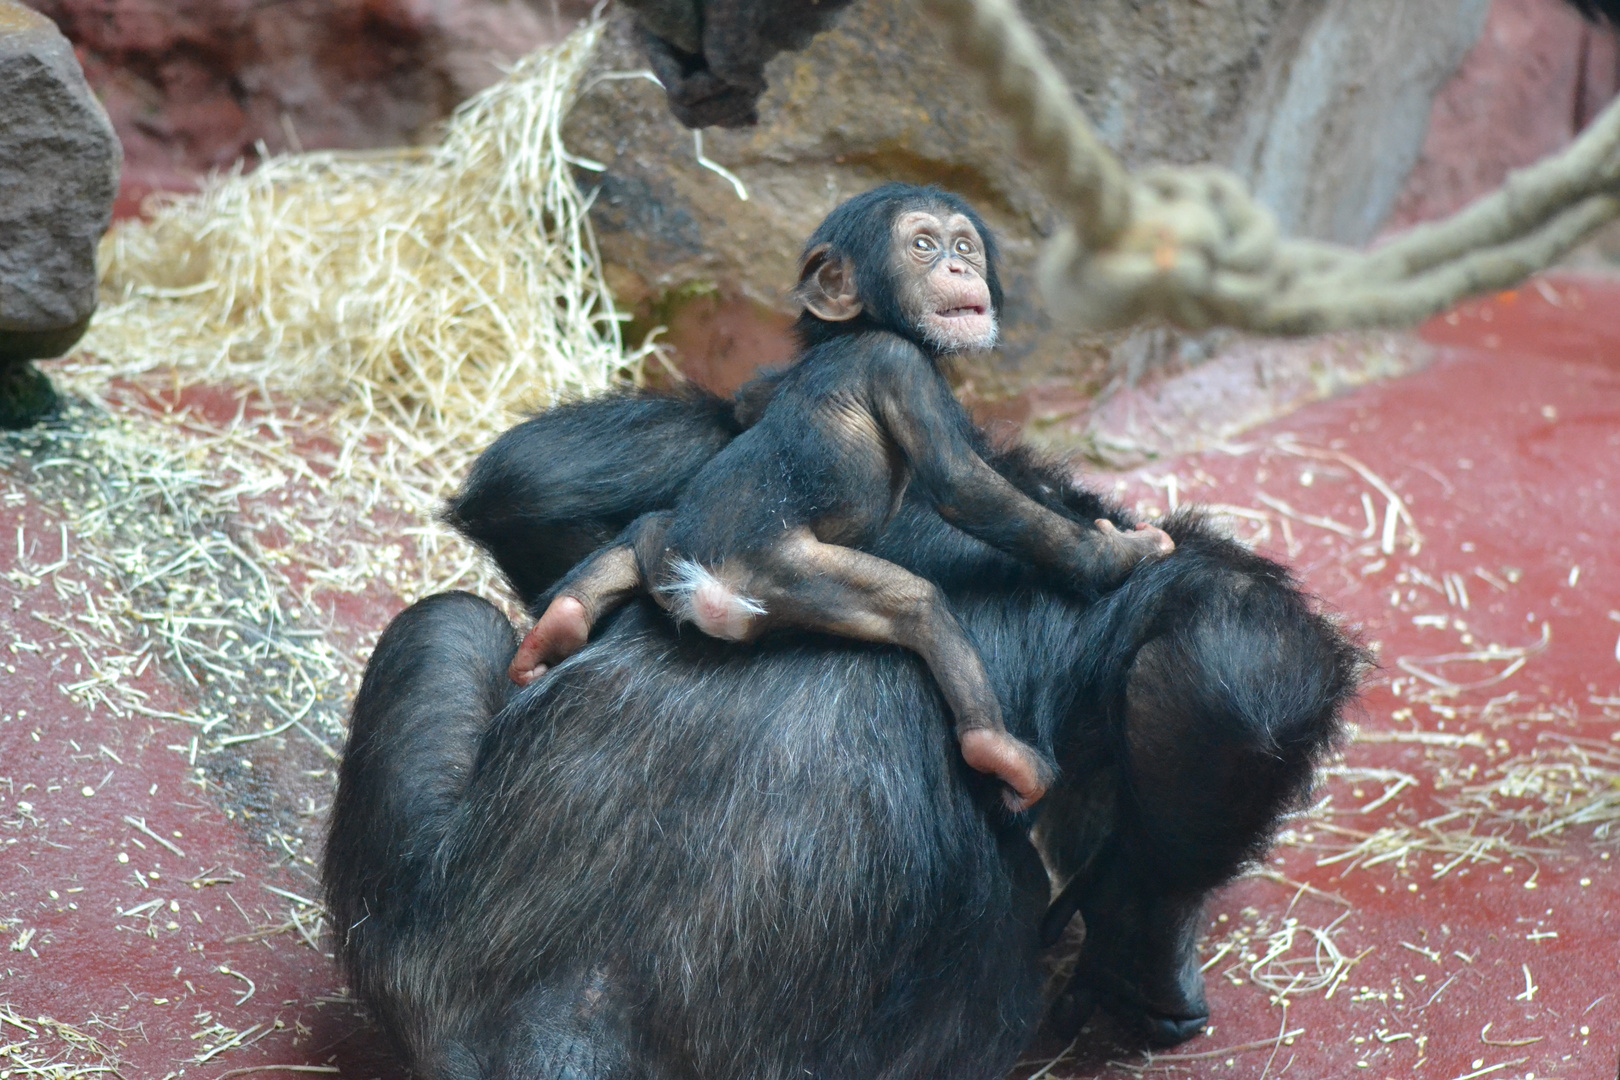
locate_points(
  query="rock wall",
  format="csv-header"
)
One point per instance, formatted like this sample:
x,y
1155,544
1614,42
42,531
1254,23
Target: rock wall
x,y
194,85
1343,109
59,162
1322,104
1538,74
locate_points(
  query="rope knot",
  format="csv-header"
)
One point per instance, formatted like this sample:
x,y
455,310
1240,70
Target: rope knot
x,y
1190,246
1196,243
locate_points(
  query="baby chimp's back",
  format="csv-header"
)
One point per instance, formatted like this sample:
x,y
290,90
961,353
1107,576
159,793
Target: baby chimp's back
x,y
818,455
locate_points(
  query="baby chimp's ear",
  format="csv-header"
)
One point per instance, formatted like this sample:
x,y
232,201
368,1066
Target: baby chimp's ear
x,y
827,286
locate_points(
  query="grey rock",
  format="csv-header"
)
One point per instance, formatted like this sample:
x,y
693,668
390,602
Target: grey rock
x,y
1321,104
59,167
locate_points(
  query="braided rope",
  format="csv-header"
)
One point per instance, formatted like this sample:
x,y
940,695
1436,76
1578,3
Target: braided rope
x,y
1190,246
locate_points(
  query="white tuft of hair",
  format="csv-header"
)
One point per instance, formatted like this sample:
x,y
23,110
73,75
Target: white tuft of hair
x,y
698,597
949,343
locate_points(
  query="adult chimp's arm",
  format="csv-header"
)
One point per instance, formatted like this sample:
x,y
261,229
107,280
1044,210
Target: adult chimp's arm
x,y
552,490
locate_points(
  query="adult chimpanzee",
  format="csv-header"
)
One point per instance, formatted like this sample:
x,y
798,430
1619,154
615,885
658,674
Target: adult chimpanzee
x,y
764,535
674,858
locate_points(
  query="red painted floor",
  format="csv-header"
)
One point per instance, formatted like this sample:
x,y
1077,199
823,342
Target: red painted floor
x,y
138,909
1477,948
1448,909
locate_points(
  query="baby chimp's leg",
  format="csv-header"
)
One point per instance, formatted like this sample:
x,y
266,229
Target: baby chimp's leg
x,y
590,590
803,582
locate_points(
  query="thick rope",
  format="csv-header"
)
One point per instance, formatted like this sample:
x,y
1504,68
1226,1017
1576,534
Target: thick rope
x,y
1190,246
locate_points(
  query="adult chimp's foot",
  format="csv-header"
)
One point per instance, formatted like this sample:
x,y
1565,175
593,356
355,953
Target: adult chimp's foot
x,y
561,632
1012,762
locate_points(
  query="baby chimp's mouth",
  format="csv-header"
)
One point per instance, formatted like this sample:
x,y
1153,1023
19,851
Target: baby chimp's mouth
x,y
961,326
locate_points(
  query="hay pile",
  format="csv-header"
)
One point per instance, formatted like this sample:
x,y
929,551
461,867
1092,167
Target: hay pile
x,y
378,318
431,289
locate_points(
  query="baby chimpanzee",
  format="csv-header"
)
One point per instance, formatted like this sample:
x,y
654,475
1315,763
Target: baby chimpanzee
x,y
766,535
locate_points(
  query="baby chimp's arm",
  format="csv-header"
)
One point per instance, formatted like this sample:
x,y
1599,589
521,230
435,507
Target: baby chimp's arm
x,y
920,413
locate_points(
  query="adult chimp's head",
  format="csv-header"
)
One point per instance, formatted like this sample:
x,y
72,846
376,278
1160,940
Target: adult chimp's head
x,y
915,260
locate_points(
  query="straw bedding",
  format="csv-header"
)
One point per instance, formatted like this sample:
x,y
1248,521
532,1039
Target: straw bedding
x,y
376,319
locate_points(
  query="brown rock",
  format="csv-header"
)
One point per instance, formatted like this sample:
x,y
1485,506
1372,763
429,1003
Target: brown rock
x,y
1322,105
59,163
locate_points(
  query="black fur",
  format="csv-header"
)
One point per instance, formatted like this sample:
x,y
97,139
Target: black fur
x,y
676,858
775,530
552,490
789,468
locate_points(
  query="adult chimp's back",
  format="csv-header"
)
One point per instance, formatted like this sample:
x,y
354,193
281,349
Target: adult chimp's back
x,y
674,858
677,858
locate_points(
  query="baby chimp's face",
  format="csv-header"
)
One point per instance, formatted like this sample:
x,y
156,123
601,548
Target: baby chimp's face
x,y
940,269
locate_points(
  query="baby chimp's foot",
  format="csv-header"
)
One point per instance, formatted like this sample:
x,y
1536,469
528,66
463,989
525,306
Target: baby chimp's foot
x,y
1121,551
1010,761
562,631
1143,541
